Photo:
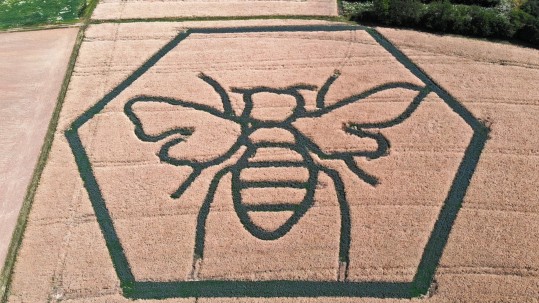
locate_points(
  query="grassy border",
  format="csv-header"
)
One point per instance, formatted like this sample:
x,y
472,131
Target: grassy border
x,y
89,10
17,236
73,23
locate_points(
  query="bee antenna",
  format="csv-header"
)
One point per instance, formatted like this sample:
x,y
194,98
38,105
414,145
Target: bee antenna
x,y
225,99
321,96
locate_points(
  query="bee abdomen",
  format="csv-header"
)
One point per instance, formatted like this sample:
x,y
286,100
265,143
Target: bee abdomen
x,y
272,190
263,186
273,185
268,197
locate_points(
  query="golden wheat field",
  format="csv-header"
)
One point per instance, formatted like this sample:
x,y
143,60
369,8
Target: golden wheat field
x,y
288,161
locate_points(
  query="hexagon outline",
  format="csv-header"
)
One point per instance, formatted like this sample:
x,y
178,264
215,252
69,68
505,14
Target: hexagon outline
x,y
430,258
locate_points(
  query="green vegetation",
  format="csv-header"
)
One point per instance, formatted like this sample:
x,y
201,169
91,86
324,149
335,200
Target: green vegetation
x,y
25,13
485,3
501,19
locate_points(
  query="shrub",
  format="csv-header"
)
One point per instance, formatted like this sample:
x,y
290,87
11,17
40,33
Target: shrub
x,y
509,21
529,33
381,9
398,12
527,26
531,7
462,19
439,16
405,12
484,3
363,11
488,23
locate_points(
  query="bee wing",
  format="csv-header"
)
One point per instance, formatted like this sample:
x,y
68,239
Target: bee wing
x,y
349,127
187,133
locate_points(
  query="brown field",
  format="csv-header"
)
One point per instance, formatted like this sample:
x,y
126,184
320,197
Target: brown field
x,y
136,9
33,66
492,252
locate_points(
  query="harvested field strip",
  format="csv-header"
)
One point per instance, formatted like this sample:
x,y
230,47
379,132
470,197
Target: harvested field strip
x,y
7,269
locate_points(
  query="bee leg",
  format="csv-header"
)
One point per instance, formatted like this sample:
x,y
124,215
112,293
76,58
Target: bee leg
x,y
360,173
201,223
185,184
344,246
225,99
321,96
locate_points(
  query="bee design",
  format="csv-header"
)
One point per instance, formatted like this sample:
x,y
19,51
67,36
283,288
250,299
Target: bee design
x,y
271,133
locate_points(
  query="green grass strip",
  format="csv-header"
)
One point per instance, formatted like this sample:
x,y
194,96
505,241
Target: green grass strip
x,y
44,14
230,18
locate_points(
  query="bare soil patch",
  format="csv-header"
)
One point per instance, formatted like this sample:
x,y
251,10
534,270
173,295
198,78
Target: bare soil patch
x,y
116,9
311,156
33,67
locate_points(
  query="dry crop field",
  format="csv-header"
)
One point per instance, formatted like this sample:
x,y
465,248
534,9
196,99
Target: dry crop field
x,y
288,161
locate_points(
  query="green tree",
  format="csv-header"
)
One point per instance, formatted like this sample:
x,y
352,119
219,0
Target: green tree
x,y
531,7
405,12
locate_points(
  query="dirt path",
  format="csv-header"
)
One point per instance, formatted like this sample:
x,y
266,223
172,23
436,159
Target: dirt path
x,y
33,68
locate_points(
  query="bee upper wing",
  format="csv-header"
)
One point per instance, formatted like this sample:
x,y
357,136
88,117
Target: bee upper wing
x,y
350,127
187,133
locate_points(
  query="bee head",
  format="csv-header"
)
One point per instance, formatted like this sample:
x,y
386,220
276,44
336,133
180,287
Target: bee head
x,y
273,105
